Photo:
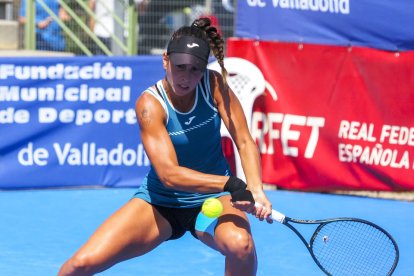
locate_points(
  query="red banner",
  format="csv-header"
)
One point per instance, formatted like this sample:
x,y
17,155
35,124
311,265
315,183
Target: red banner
x,y
333,117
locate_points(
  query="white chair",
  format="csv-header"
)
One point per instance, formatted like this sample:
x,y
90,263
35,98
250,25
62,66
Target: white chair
x,y
247,82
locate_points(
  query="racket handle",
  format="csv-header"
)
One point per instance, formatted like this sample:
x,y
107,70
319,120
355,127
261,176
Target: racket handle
x,y
276,216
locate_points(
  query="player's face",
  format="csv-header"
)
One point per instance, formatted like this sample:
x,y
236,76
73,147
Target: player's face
x,y
183,78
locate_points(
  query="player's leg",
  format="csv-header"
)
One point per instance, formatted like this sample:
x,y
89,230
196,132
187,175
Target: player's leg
x,y
133,230
232,238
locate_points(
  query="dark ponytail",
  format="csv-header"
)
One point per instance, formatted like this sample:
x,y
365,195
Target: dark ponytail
x,y
215,40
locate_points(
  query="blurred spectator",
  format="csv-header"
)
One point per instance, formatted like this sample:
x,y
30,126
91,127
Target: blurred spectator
x,y
104,26
49,35
71,45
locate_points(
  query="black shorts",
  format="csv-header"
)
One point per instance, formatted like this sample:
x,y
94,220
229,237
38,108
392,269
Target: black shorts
x,y
180,219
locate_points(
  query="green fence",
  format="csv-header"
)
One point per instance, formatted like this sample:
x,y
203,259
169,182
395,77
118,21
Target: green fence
x,y
136,27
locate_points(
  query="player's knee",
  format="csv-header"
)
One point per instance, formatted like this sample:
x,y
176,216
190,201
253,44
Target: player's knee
x,y
240,246
82,265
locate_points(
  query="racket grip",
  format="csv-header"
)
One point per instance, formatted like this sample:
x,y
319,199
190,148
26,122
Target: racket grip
x,y
275,216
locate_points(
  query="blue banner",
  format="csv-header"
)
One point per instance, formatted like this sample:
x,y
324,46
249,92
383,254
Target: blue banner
x,y
385,24
71,121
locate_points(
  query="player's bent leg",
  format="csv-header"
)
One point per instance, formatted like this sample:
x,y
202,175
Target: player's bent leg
x,y
232,238
133,230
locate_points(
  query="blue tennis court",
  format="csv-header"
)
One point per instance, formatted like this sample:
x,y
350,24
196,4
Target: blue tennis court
x,y
40,229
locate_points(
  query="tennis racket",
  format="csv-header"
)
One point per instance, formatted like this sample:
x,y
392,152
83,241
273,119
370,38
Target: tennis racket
x,y
347,246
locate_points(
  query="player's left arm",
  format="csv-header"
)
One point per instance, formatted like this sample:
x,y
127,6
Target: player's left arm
x,y
233,117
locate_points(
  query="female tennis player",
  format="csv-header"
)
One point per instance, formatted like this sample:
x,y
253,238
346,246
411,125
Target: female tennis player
x,y
179,120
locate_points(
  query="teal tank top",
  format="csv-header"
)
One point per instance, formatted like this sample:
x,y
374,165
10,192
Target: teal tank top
x,y
197,141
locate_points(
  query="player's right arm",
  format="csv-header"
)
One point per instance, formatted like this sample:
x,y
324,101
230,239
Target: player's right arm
x,y
160,150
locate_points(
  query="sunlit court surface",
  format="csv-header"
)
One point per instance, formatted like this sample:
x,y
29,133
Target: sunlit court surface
x,y
40,229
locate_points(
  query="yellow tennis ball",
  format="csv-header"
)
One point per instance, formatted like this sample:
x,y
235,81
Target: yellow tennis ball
x,y
212,207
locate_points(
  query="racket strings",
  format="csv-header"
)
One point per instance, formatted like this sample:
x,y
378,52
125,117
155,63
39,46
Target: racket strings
x,y
353,248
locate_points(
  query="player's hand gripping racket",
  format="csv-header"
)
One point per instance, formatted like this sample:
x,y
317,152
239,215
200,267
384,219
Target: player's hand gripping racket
x,y
347,246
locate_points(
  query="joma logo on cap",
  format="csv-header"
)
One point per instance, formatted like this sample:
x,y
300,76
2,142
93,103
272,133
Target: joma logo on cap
x,y
192,45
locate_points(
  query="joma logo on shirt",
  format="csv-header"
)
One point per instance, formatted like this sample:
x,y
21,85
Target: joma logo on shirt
x,y
189,120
